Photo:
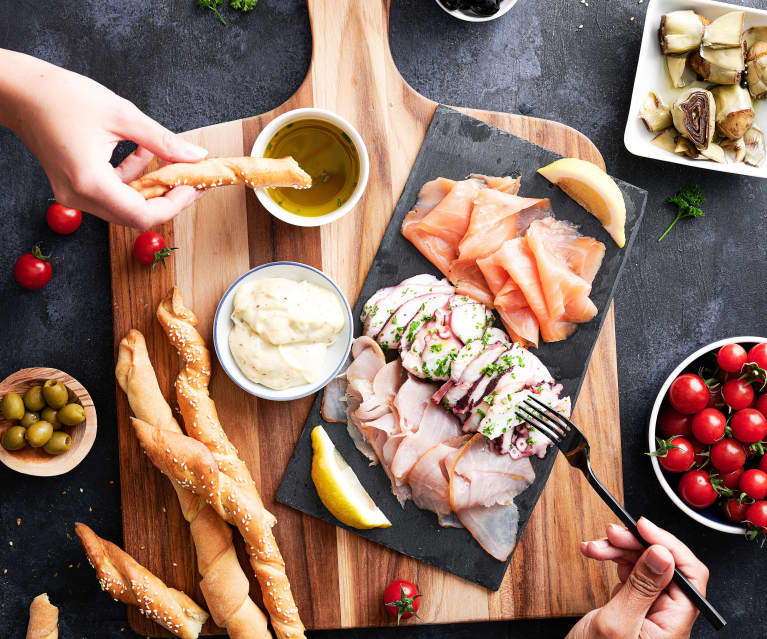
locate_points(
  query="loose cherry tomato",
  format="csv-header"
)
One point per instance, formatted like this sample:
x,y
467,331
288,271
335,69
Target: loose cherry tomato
x,y
62,219
735,510
761,404
748,425
738,394
757,515
688,394
727,455
676,454
33,270
150,249
402,599
763,463
671,422
701,452
696,489
708,425
758,354
753,482
731,357
731,479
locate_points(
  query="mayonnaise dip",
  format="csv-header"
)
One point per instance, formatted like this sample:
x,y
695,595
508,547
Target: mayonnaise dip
x,y
282,329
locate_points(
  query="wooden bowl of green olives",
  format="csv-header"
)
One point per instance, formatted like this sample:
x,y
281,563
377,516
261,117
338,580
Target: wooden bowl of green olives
x,y
47,422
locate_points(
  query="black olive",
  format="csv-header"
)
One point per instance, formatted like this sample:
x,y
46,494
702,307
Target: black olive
x,y
486,7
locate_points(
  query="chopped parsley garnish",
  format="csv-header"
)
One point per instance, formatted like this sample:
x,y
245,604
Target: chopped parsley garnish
x,y
435,348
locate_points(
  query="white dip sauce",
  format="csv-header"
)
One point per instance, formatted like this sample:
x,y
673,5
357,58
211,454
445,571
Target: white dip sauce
x,y
282,329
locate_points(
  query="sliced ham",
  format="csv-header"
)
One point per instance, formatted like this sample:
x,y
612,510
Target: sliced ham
x,y
483,485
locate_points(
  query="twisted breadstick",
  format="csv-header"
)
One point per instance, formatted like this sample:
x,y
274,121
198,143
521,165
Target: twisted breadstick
x,y
235,496
224,584
126,580
254,172
43,619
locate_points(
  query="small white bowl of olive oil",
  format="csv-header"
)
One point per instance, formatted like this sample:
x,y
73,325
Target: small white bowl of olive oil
x,y
329,149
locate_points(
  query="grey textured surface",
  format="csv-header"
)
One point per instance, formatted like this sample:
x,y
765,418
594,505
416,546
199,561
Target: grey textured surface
x,y
455,146
705,281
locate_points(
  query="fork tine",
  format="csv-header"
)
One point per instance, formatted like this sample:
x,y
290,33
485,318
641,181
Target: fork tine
x,y
544,427
553,415
544,417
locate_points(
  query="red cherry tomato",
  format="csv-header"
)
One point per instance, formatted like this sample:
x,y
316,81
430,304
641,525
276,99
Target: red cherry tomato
x,y
737,393
676,455
753,482
731,357
758,354
402,599
748,425
62,219
732,478
672,422
688,394
761,404
757,514
33,270
735,511
708,425
701,450
727,455
696,489
763,463
150,249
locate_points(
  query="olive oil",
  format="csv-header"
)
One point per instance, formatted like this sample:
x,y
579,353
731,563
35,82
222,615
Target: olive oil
x,y
326,153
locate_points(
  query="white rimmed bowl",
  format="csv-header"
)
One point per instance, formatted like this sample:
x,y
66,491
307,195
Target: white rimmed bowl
x,y
266,135
334,358
651,75
709,517
470,16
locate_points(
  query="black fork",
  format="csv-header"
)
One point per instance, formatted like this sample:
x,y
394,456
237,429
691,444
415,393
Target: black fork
x,y
575,447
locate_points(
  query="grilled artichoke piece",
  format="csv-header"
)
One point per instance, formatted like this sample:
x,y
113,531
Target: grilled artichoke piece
x,y
755,150
666,140
757,70
734,110
735,150
732,59
681,75
681,31
712,73
713,152
694,114
684,147
654,113
724,32
754,34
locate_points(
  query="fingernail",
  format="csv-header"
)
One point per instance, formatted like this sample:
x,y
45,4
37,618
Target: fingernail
x,y
617,527
658,559
584,545
648,522
192,151
599,543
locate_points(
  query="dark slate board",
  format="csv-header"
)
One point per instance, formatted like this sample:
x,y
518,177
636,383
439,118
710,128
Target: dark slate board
x,y
456,145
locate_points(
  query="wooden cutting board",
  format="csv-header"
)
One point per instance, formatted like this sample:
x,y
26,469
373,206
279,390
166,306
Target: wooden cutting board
x,y
338,577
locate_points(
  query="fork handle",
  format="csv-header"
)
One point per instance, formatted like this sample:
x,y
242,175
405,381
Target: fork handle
x,y
694,595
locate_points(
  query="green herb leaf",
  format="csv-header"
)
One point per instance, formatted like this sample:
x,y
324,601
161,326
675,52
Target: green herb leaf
x,y
243,5
213,6
688,201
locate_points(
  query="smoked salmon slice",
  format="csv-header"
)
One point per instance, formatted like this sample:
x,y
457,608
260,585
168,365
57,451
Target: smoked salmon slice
x,y
495,218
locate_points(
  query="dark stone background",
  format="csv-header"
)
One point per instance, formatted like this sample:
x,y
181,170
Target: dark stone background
x,y
704,282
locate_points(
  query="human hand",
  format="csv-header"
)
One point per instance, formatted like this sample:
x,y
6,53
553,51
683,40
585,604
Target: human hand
x,y
72,124
646,604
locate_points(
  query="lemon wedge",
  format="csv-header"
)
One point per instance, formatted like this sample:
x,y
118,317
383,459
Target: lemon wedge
x,y
338,487
594,190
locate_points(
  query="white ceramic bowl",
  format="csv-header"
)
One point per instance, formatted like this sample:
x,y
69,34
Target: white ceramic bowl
x,y
470,16
651,75
268,132
222,327
709,517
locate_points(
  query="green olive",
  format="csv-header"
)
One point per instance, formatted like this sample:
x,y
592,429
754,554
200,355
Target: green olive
x,y
55,393
71,415
33,399
12,407
58,443
38,434
13,438
50,415
29,418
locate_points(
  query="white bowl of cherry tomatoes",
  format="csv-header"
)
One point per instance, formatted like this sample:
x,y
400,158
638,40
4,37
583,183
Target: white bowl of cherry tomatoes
x,y
707,435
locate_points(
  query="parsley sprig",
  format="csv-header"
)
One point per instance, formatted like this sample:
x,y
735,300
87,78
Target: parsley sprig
x,y
237,5
688,202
